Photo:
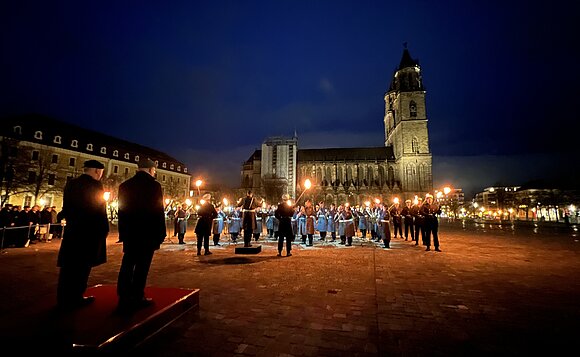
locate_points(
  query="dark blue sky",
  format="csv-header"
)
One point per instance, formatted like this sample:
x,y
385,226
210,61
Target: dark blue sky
x,y
208,81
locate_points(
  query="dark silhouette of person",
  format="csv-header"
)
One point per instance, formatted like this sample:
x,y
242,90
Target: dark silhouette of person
x,y
85,243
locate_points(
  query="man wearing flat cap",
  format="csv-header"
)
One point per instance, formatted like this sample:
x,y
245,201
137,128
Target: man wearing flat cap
x,y
284,213
84,243
142,230
205,215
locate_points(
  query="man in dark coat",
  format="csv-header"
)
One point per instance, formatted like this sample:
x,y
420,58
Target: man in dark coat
x,y
284,214
142,230
85,243
203,228
249,205
430,211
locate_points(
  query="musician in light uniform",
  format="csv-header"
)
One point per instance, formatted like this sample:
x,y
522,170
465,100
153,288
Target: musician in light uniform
x,y
322,220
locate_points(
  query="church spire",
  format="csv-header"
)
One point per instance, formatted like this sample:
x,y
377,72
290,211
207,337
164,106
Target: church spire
x,y
407,60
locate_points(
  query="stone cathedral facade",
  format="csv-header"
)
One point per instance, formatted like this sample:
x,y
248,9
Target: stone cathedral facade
x,y
401,168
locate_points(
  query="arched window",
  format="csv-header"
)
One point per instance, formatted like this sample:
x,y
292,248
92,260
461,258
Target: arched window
x,y
136,158
17,130
164,165
126,156
74,143
38,135
103,150
178,168
410,177
89,147
415,145
171,166
185,169
116,153
57,140
412,109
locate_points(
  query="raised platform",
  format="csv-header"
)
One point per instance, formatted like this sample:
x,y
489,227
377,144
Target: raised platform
x,y
98,328
254,249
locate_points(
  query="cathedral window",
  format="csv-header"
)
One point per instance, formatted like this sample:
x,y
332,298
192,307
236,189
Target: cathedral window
x,y
89,147
413,109
57,140
415,145
38,135
103,150
74,143
126,156
116,153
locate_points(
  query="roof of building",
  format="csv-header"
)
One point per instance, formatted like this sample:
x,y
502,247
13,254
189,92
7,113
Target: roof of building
x,y
51,127
407,60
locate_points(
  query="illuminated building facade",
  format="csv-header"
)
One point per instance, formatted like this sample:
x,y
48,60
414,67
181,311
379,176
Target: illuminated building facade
x,y
40,154
402,167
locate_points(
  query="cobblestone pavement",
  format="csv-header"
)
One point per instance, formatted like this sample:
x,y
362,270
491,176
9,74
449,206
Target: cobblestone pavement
x,y
490,292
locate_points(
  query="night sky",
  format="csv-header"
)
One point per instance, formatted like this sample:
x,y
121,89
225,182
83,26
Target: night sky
x,y
208,81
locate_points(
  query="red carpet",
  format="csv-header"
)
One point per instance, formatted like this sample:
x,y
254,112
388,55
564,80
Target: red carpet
x,y
98,327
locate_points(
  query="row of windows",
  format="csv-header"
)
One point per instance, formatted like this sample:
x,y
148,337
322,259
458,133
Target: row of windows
x,y
75,144
51,178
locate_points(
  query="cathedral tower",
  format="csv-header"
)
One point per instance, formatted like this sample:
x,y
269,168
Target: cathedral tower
x,y
406,128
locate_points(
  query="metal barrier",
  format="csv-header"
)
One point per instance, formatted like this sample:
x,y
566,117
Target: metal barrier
x,y
41,232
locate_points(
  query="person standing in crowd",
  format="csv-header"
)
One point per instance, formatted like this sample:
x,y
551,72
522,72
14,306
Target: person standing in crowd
x,y
182,215
363,221
235,224
332,218
218,226
309,213
341,225
418,220
384,229
258,231
430,211
85,244
395,213
173,214
141,230
205,216
34,221
270,222
348,225
23,221
249,205
45,219
284,213
294,222
7,220
322,220
407,215
301,217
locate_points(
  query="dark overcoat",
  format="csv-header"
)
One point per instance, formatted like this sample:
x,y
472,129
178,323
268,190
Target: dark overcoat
x,y
205,214
141,214
284,214
84,207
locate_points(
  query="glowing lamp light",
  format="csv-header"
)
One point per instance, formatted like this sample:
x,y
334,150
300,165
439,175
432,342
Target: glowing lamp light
x,y
188,202
107,196
202,201
446,190
367,203
114,204
42,201
289,202
439,194
225,201
196,207
396,200
198,183
191,193
572,208
475,204
377,201
167,200
511,210
264,204
307,184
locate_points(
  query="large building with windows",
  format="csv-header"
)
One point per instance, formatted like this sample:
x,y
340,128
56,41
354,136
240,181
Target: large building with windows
x,y
40,154
402,167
